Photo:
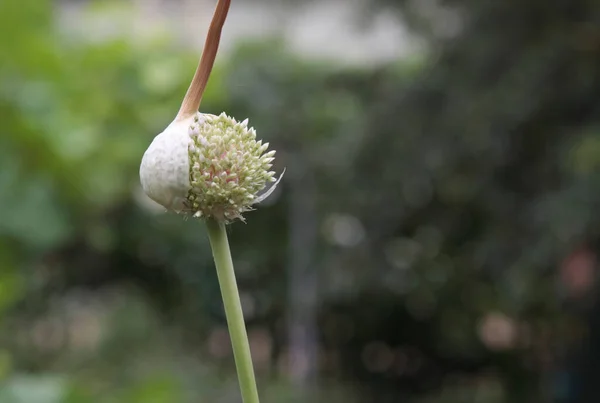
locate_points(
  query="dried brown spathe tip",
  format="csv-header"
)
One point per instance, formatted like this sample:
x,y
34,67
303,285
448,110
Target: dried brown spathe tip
x,y
193,96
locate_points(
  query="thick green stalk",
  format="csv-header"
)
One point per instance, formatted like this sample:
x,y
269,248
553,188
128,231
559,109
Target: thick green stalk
x,y
233,310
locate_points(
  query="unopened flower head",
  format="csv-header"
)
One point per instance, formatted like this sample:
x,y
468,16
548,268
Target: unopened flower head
x,y
208,166
228,167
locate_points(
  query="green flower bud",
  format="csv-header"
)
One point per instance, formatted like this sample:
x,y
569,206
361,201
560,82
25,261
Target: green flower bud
x,y
228,167
208,166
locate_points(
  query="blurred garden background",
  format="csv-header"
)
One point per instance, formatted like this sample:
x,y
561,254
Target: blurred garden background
x,y
433,241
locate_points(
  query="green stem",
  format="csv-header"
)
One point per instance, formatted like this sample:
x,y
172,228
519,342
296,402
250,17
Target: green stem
x,y
233,310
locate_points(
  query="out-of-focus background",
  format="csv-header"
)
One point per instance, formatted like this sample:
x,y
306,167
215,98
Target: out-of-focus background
x,y
434,240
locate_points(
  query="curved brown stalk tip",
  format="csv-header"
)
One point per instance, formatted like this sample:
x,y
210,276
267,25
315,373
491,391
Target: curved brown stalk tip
x,y
193,96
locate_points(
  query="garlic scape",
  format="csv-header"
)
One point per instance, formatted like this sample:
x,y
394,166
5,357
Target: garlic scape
x,y
204,165
212,167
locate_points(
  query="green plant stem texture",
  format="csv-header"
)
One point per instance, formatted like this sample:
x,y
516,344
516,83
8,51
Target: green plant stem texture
x,y
233,309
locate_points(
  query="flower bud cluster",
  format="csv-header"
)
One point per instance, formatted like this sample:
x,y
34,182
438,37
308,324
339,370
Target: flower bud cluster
x,y
228,167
